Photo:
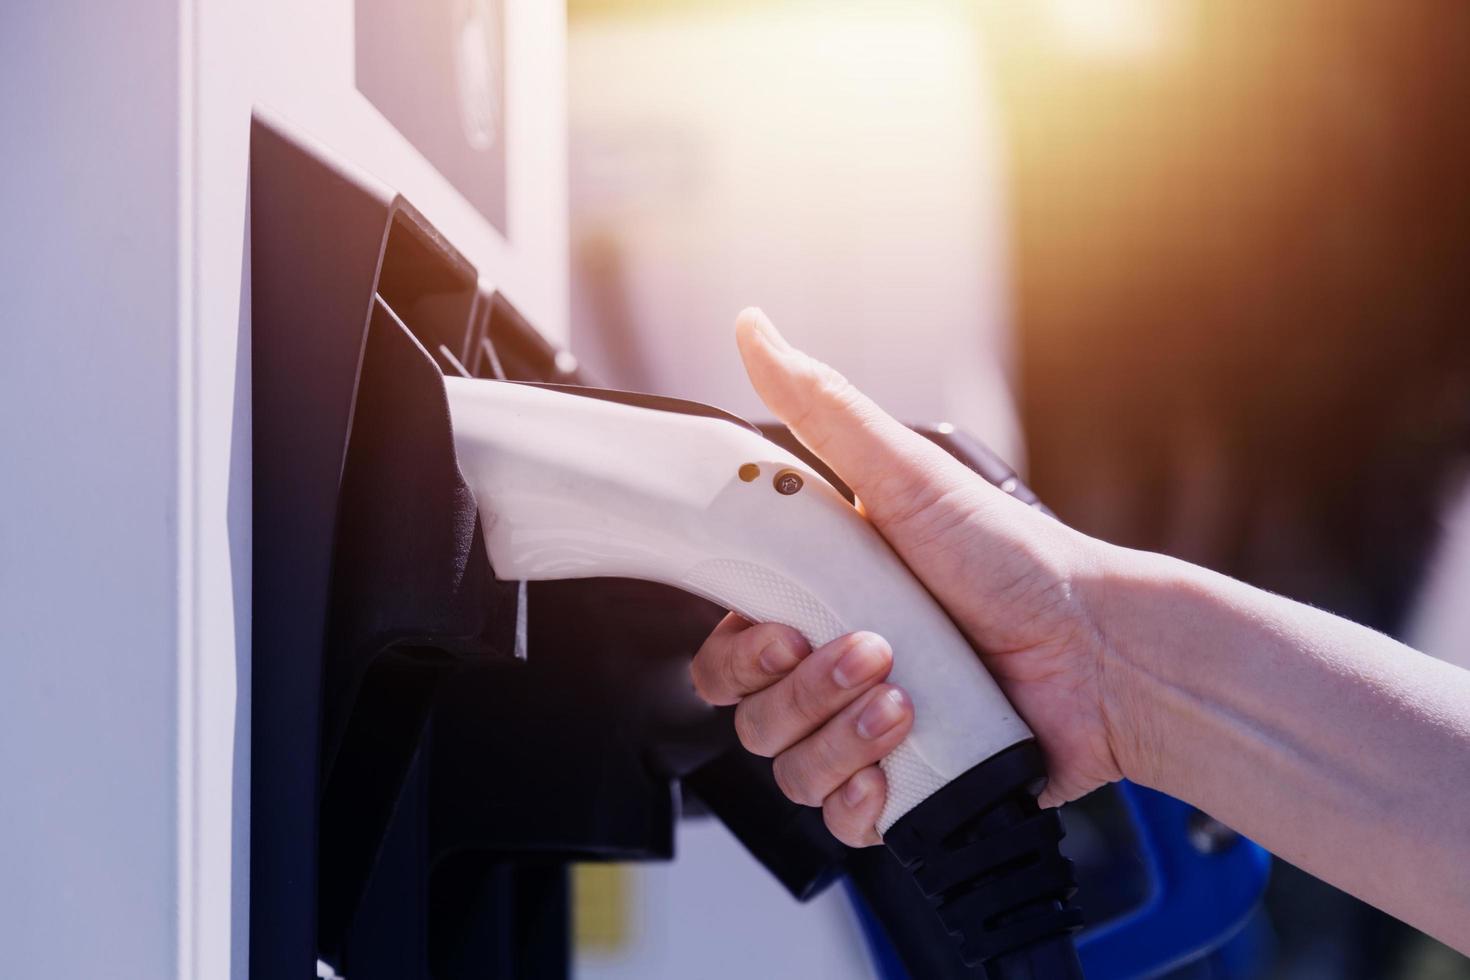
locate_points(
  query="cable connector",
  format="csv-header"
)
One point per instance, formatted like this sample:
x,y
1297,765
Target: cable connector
x,y
989,860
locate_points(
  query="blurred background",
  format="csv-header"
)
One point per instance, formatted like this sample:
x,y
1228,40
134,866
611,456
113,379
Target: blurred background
x,y
1201,269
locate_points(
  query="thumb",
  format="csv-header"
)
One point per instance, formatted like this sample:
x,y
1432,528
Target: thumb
x,y
894,471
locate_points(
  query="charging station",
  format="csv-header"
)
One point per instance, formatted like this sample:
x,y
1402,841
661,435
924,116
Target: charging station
x,y
302,728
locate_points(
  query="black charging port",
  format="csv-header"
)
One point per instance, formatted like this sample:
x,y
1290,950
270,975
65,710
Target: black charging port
x,y
427,756
430,287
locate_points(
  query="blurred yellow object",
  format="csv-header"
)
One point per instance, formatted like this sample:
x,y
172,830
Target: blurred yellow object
x,y
601,895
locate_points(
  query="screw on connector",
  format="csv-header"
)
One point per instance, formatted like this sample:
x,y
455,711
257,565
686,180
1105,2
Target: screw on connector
x,y
748,472
787,482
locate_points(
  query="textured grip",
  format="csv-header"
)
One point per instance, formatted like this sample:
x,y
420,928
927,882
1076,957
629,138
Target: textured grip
x,y
764,596
911,781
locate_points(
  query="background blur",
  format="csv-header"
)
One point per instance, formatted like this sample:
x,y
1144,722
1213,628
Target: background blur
x,y
1202,267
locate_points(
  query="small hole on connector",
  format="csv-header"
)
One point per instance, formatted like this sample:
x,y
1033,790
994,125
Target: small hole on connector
x,y
749,472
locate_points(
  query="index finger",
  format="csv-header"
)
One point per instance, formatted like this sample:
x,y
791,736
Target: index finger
x,y
739,658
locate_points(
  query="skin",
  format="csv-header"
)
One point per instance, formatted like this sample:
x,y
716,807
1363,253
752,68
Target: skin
x,y
1337,748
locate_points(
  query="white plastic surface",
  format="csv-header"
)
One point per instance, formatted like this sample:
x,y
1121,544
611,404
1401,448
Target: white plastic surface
x,y
575,487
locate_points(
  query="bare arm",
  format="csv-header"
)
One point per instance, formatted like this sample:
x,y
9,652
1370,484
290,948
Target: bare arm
x,y
1339,749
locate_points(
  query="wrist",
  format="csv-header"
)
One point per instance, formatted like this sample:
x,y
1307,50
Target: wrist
x,y
1140,604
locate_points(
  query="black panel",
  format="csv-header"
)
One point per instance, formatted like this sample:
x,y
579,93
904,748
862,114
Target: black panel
x,y
315,240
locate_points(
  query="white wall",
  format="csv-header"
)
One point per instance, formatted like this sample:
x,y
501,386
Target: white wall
x,y
837,163
89,527
125,450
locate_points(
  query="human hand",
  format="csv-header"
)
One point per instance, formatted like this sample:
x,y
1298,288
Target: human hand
x,y
1016,582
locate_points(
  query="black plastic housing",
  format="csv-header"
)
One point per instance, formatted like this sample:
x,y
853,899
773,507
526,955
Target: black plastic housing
x,y
989,859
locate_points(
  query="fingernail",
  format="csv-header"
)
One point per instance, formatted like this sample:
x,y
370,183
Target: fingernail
x,y
866,658
779,656
765,328
855,791
882,713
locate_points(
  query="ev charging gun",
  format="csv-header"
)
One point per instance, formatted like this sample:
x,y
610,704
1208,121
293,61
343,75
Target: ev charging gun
x,y
579,483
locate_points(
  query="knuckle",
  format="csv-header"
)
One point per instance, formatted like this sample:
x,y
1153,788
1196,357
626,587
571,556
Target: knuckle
x,y
732,678
750,730
806,701
843,825
711,678
781,770
729,673
827,763
826,389
761,634
791,779
837,826
710,669
926,509
767,635
830,384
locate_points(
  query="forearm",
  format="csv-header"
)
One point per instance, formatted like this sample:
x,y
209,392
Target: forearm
x,y
1337,748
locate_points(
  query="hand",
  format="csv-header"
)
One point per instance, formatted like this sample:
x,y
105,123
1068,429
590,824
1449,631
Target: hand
x,y
826,717
1019,584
